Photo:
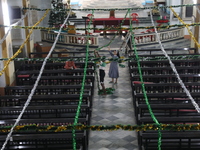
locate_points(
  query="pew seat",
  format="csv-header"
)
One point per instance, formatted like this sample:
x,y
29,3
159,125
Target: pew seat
x,y
60,99
50,111
45,141
176,140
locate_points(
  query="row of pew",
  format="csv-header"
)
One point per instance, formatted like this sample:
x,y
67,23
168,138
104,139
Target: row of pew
x,y
167,99
54,103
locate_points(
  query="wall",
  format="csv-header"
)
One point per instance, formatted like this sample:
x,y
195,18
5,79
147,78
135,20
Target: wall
x,y
2,78
8,76
41,4
174,20
17,34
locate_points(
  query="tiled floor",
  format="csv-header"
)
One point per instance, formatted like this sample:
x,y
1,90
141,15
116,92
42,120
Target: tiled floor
x,y
113,109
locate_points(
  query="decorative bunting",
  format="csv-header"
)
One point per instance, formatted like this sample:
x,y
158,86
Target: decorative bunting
x,y
62,128
118,9
104,29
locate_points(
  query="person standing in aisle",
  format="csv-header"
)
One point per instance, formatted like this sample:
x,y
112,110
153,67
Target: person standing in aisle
x,y
102,67
113,70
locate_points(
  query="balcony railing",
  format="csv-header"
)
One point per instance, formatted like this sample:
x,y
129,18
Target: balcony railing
x,y
151,38
140,39
70,39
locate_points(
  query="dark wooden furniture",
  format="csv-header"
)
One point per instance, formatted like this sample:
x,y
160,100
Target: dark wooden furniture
x,y
166,99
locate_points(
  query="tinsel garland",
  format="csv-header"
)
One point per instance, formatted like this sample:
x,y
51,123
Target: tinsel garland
x,y
146,127
119,60
104,29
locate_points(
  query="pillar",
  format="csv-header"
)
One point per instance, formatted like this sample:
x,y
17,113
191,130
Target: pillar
x,y
196,28
4,79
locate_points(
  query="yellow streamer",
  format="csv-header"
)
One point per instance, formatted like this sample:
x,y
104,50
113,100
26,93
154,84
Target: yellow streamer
x,y
198,45
21,47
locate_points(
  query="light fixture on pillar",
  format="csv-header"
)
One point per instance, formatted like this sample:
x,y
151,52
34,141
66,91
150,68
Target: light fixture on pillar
x,y
6,16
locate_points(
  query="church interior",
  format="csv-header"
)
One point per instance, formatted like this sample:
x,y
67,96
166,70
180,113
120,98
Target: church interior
x,y
99,75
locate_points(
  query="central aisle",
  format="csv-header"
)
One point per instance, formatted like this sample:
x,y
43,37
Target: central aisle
x,y
112,109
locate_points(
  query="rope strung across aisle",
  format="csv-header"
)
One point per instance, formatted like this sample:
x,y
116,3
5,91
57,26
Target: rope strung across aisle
x,y
35,85
143,127
21,47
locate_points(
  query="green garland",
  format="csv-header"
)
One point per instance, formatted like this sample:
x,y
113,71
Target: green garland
x,y
119,60
105,29
118,9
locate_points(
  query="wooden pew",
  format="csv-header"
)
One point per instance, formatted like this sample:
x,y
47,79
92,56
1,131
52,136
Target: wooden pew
x,y
51,115
52,66
166,70
61,99
166,78
167,99
168,113
49,89
57,72
163,98
166,87
65,80
158,57
156,98
45,140
59,54
24,77
172,50
46,112
55,115
184,140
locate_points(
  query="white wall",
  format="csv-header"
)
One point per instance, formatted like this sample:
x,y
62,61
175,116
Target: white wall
x,y
176,9
2,77
41,4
